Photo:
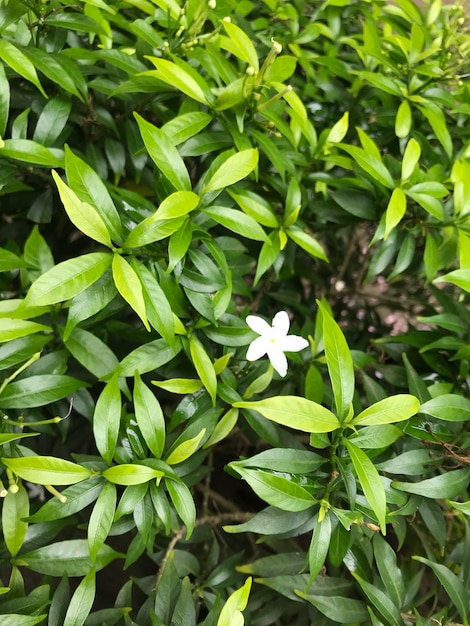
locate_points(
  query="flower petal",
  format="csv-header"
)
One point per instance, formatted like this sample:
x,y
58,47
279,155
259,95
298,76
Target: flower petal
x,y
293,343
258,324
257,349
278,361
281,323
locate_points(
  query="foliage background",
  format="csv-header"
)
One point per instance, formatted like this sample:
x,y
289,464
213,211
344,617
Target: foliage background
x,y
167,169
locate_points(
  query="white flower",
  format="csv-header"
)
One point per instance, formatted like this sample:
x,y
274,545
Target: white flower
x,y
273,341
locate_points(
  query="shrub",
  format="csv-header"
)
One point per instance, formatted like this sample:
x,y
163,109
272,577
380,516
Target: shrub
x,y
173,177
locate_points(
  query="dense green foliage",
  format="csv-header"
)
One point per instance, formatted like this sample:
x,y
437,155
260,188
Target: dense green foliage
x,y
166,170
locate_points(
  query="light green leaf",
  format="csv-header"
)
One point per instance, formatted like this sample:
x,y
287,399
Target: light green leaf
x,y
223,428
10,261
19,63
204,367
4,100
461,278
163,153
176,76
403,120
15,507
242,46
396,209
392,409
176,205
237,601
131,474
294,412
67,279
339,362
179,385
82,214
128,284
370,482
373,166
254,206
31,151
47,470
185,449
306,242
93,353
235,168
449,407
410,159
149,417
89,187
107,419
339,130
14,328
237,222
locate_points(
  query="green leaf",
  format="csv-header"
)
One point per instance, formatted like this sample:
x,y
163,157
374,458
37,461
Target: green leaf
x,y
82,214
15,508
184,504
81,601
131,474
77,497
7,437
392,409
148,357
374,437
89,187
396,209
164,154
294,412
337,608
449,485
129,286
4,100
101,519
390,573
204,367
52,120
237,222
380,601
149,417
452,585
339,362
67,558
13,328
17,619
47,470
182,127
19,63
449,407
277,490
91,352
230,614
319,546
241,45
67,279
461,278
436,119
235,168
178,77
370,482
107,419
38,390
